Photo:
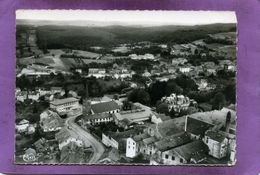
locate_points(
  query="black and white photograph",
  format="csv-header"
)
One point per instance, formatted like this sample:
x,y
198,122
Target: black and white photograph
x,y
125,87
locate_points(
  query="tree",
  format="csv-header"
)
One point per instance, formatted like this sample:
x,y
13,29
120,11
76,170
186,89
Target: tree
x,y
218,101
157,91
139,95
172,87
162,107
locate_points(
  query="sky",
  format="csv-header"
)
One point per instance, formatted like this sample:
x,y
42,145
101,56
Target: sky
x,y
111,17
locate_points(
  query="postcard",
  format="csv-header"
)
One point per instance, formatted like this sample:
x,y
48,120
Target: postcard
x,y
125,87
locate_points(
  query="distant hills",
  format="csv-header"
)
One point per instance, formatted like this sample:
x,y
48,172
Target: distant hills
x,y
55,34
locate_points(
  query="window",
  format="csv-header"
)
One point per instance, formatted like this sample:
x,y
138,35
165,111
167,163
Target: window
x,y
173,158
133,143
129,147
181,160
166,156
150,152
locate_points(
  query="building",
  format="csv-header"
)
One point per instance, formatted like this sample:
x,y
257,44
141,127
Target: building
x,y
96,119
145,142
177,102
50,121
217,143
22,126
138,113
65,105
64,138
184,69
109,140
110,107
159,118
190,153
133,145
96,72
146,56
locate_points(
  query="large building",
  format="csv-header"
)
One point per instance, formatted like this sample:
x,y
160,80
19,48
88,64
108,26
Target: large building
x,y
65,105
138,114
110,107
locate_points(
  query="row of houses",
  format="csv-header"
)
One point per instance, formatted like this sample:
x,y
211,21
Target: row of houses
x,y
202,136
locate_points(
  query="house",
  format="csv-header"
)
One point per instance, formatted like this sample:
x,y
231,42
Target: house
x,y
22,126
41,145
203,85
179,61
166,144
96,119
146,74
64,105
217,143
145,142
21,96
146,56
105,107
190,153
132,144
55,90
184,69
177,102
33,95
50,121
96,72
110,140
64,138
159,118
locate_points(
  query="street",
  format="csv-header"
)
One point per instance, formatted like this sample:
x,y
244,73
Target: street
x,y
77,132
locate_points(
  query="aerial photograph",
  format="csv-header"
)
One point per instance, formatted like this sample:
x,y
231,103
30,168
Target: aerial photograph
x,y
125,87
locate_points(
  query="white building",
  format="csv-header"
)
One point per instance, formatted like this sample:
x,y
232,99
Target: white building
x,y
109,141
96,72
22,126
131,148
184,69
65,105
217,143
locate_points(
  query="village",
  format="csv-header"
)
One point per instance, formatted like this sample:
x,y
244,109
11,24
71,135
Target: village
x,y
132,103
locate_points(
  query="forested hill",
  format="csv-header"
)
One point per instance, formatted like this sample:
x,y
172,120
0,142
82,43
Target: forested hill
x,y
60,36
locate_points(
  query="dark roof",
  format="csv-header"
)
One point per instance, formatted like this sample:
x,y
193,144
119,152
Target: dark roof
x,y
191,149
149,140
104,107
173,141
197,127
140,137
214,135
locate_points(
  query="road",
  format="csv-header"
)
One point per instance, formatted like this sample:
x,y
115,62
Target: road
x,y
77,132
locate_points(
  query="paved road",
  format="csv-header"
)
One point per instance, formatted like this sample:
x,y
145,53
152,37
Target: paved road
x,y
77,132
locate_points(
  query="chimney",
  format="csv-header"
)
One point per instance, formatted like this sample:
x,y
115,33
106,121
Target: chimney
x,y
228,120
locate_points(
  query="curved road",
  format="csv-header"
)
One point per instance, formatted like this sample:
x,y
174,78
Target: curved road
x,y
77,132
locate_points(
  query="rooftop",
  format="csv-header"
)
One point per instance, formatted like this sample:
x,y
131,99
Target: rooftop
x,y
170,127
140,137
134,115
173,141
104,107
214,135
191,149
63,101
